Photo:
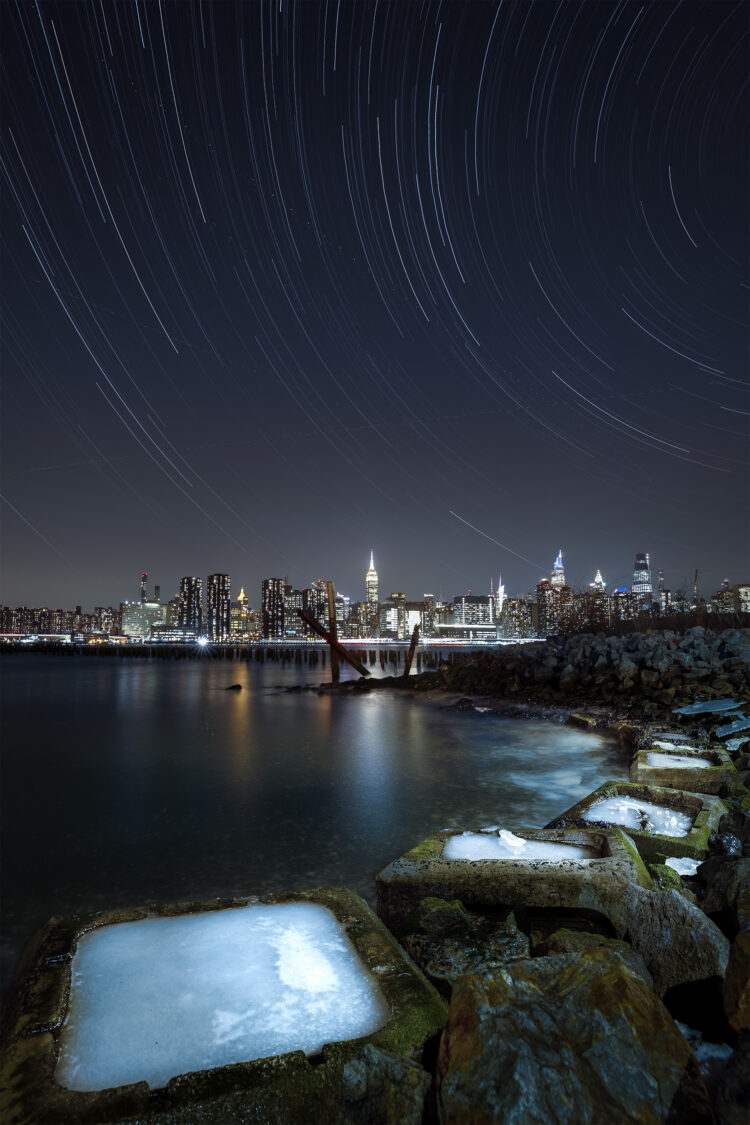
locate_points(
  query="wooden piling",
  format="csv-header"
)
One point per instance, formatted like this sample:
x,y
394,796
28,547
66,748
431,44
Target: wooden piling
x,y
410,653
333,632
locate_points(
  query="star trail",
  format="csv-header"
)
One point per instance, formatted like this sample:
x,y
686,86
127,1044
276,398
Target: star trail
x,y
285,281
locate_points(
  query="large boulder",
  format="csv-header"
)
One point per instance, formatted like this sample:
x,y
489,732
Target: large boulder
x,y
675,938
568,1038
380,1088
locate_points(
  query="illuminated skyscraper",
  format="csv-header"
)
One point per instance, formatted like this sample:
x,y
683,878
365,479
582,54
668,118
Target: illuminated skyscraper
x,y
294,626
190,605
144,595
598,583
316,600
642,587
272,607
557,578
241,620
428,615
371,582
499,597
371,599
218,606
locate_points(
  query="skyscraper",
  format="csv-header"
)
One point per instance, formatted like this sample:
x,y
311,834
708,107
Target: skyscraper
x,y
294,600
428,615
371,599
642,587
144,595
240,616
557,578
316,600
218,606
272,607
499,597
190,605
371,582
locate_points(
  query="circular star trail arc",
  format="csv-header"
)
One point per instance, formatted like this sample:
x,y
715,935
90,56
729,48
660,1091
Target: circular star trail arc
x,y
418,256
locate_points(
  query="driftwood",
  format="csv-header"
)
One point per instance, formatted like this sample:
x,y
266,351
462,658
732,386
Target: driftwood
x,y
339,649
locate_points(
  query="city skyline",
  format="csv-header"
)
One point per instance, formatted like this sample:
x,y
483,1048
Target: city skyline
x,y
461,280
196,609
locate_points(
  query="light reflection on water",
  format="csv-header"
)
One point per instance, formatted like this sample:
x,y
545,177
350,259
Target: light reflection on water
x,y
128,781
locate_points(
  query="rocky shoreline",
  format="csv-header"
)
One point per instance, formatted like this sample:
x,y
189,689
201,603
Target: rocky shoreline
x,y
608,987
559,1019
641,675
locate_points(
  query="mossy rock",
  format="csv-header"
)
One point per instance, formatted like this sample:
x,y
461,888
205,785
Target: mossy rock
x,y
437,916
571,1038
480,943
579,941
664,878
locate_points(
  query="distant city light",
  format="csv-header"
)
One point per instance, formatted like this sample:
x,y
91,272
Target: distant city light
x,y
202,641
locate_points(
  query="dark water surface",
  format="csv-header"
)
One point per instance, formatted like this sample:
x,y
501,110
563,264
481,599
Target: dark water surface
x,y
128,781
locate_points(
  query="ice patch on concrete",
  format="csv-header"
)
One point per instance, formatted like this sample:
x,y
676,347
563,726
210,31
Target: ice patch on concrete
x,y
164,996
675,761
665,744
644,815
505,845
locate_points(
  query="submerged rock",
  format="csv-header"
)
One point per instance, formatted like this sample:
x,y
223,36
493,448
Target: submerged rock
x,y
567,1038
675,938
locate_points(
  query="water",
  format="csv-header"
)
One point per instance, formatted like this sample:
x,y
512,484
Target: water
x,y
243,984
132,781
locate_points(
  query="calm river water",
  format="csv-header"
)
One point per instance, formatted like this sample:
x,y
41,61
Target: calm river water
x,y
126,781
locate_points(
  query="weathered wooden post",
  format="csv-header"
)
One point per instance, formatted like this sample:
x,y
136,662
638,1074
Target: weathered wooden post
x,y
332,629
412,648
333,643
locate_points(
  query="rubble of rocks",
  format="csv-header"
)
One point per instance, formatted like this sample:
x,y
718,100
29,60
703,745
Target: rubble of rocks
x,y
586,1026
648,674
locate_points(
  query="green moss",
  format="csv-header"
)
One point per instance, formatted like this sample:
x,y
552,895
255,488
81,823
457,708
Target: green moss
x,y
580,719
643,876
437,916
576,941
664,878
431,848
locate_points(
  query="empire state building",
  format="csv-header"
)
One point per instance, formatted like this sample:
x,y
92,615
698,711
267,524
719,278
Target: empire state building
x,y
371,583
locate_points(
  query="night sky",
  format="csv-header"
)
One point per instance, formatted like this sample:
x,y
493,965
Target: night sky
x,y
461,282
